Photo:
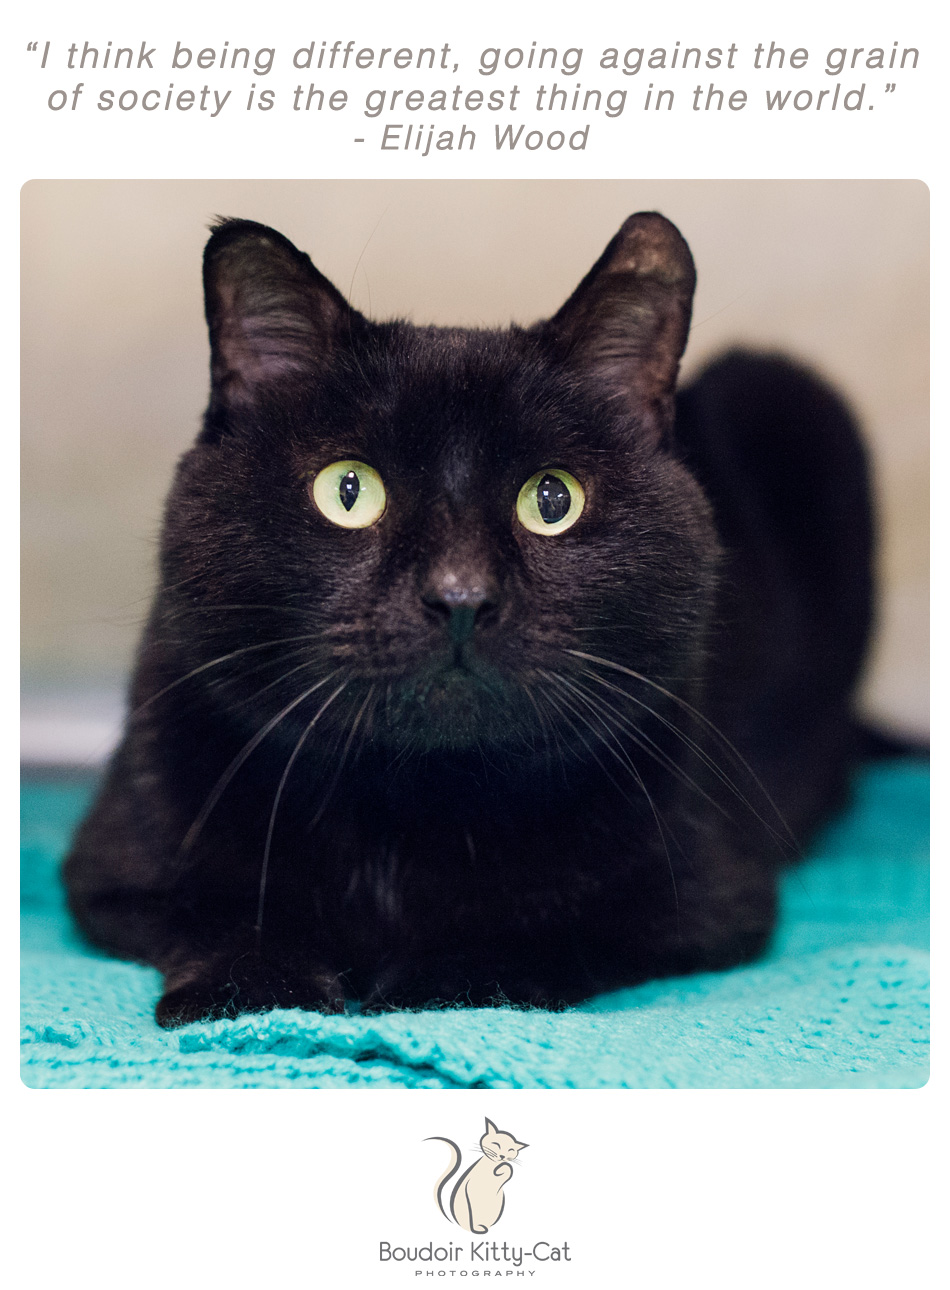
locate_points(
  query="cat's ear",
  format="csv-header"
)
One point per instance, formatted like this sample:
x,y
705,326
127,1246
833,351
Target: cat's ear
x,y
273,319
521,1145
626,324
489,1127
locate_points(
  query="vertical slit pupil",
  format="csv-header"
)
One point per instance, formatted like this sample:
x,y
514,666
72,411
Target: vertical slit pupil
x,y
554,499
349,489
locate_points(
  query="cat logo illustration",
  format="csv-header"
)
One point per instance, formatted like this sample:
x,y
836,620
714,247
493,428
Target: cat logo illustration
x,y
477,1199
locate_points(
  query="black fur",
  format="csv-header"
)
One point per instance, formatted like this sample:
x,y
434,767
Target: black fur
x,y
443,758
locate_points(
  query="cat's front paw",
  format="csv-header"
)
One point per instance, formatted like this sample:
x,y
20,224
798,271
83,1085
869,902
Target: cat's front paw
x,y
211,991
452,983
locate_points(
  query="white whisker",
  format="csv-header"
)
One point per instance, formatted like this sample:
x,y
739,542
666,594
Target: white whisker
x,y
277,796
215,795
713,729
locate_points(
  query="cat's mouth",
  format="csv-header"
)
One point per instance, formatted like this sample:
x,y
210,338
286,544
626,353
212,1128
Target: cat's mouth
x,y
457,702
455,687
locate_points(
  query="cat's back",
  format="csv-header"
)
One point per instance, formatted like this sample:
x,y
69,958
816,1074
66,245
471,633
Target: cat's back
x,y
780,457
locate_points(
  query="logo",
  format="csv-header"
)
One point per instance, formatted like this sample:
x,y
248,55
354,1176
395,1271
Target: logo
x,y
474,1199
477,1199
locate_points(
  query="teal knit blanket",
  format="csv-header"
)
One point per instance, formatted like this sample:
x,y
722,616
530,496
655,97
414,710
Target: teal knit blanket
x,y
839,1002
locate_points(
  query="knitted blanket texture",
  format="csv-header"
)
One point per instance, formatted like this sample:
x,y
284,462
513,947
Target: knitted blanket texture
x,y
840,1001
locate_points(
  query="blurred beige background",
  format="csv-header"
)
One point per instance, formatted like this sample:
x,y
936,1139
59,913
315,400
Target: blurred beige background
x,y
115,363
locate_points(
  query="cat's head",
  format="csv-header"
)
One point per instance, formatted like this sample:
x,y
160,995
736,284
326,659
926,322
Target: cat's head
x,y
434,518
498,1145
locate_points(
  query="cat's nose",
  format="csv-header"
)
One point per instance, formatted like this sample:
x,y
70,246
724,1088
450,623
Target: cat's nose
x,y
462,604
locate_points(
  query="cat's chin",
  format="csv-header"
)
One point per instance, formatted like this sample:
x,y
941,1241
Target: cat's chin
x,y
456,708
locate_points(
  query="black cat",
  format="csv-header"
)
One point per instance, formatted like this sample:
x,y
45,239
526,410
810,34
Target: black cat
x,y
471,676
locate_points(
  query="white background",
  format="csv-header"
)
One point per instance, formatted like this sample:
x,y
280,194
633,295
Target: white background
x,y
654,1188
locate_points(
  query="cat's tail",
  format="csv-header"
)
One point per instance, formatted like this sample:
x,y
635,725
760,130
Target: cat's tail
x,y
454,1163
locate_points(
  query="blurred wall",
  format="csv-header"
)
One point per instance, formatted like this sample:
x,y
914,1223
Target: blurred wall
x,y
115,355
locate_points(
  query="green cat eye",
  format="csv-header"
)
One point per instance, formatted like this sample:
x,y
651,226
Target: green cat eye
x,y
350,493
550,502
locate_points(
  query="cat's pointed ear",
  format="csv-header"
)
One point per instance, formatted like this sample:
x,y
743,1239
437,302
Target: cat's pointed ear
x,y
521,1145
273,319
489,1127
626,324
